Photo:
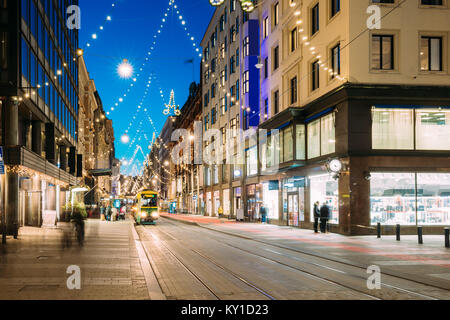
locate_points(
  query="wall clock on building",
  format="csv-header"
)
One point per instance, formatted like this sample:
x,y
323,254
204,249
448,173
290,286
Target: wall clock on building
x,y
335,165
216,2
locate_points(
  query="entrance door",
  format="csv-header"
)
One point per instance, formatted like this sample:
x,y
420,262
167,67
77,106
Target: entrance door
x,y
293,210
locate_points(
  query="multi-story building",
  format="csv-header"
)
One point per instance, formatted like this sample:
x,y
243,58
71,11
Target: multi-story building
x,y
187,175
375,100
95,141
230,86
39,110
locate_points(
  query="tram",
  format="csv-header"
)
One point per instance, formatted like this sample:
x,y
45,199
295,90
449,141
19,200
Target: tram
x,y
146,210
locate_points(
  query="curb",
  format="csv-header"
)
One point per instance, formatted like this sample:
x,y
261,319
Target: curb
x,y
147,264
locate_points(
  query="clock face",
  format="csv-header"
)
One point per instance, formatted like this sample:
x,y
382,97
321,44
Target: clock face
x,y
335,165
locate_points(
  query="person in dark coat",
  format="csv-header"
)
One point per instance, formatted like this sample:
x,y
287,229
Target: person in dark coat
x,y
316,216
324,216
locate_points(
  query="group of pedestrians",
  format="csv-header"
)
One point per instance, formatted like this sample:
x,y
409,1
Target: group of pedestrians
x,y
112,213
322,214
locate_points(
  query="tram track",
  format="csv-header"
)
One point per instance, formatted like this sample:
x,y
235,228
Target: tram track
x,y
250,284
406,291
199,279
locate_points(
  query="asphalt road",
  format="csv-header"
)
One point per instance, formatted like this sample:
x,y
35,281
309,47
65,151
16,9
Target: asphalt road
x,y
191,262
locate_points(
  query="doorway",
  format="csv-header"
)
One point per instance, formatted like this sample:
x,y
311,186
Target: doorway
x,y
293,216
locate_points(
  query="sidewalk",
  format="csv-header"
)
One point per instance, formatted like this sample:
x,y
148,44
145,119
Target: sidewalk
x,y
429,262
34,266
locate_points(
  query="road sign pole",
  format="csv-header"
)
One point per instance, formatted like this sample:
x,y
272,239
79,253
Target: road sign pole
x,y
2,207
3,211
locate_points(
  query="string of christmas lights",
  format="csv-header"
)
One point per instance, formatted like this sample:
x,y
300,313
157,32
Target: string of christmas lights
x,y
108,18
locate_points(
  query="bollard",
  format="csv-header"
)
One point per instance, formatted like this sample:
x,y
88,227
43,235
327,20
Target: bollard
x,y
420,234
447,237
398,232
378,230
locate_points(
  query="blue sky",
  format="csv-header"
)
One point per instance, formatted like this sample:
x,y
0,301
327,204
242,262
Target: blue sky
x,y
129,35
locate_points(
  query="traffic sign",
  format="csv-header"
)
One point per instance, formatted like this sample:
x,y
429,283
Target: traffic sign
x,y
2,163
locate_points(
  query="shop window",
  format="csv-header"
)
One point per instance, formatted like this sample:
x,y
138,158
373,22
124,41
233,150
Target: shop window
x,y
433,129
288,146
328,135
314,139
392,198
270,198
251,159
433,198
301,142
325,190
394,129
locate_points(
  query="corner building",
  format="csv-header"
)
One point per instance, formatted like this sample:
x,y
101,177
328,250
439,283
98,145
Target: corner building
x,y
39,107
377,100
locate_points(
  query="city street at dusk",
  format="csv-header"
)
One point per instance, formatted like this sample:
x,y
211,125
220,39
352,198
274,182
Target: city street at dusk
x,y
225,159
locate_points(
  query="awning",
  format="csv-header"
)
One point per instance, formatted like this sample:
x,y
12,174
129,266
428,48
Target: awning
x,y
100,172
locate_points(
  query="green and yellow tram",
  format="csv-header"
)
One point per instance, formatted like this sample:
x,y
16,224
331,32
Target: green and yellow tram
x,y
146,209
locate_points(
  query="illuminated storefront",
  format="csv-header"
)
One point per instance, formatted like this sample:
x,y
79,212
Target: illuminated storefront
x,y
324,189
294,201
410,198
270,199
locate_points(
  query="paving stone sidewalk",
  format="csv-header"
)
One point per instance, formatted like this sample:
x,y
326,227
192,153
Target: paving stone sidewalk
x,y
35,265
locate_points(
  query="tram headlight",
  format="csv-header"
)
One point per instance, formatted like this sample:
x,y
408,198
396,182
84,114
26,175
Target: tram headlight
x,y
155,215
144,214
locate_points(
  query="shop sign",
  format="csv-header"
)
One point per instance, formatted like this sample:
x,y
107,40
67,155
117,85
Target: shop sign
x,y
274,185
2,163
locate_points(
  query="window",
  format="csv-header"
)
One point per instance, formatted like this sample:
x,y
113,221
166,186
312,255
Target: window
x,y
315,19
246,82
237,58
276,102
321,137
300,142
266,67
392,129
276,56
431,54
246,47
232,5
315,69
382,52
213,115
336,60
294,39
432,129
266,108
213,65
222,77
432,2
251,159
233,127
335,7
395,128
276,14
223,105
206,122
222,23
383,1
265,27
232,64
213,90
288,145
293,90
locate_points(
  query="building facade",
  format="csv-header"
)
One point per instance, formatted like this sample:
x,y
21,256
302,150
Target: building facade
x,y
39,110
374,100
96,142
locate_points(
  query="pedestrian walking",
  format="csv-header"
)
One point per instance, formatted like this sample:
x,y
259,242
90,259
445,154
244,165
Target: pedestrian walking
x,y
316,216
263,213
324,216
102,213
